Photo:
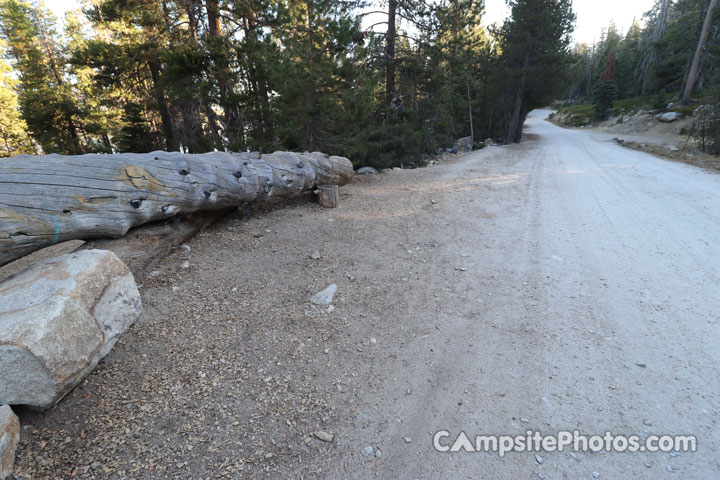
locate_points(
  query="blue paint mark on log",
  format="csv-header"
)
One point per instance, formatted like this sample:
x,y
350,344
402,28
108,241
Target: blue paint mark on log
x,y
57,229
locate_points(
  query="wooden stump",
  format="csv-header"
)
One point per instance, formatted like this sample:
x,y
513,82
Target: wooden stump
x,y
328,195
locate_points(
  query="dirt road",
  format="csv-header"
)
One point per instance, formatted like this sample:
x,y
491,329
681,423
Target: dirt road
x,y
564,283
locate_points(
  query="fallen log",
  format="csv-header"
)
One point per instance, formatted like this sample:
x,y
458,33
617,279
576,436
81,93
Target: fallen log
x,y
53,198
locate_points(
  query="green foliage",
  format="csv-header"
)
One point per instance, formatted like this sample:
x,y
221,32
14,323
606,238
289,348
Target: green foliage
x,y
603,96
653,59
687,111
135,134
535,55
198,75
386,146
14,139
576,115
706,128
629,106
47,99
658,101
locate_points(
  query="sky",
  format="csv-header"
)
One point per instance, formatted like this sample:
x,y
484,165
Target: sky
x,y
592,15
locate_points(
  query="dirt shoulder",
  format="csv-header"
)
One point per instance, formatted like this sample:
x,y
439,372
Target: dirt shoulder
x,y
646,134
230,370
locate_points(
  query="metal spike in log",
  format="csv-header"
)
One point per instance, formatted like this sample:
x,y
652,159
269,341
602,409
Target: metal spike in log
x,y
53,198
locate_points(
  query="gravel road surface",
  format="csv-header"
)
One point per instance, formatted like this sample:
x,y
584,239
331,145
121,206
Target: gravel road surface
x,y
564,283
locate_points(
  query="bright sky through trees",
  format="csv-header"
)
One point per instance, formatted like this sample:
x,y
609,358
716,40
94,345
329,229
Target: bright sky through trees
x,y
592,15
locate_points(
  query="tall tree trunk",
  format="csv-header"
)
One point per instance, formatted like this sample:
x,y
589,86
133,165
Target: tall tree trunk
x,y
649,58
192,21
258,81
195,102
695,68
233,127
165,116
453,67
311,130
390,38
213,123
515,128
472,130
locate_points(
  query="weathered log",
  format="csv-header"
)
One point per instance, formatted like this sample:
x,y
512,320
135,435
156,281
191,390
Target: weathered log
x,y
328,196
53,198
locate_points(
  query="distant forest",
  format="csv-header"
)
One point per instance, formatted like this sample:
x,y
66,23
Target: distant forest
x,y
265,75
654,59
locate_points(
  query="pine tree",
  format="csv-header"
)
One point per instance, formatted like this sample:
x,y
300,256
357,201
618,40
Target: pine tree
x,y
627,61
14,139
695,65
319,38
136,135
127,52
605,91
534,45
460,40
47,99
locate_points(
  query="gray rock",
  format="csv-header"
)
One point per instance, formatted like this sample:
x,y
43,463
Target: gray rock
x,y
324,436
672,148
367,451
596,474
669,117
9,438
464,144
57,320
407,439
316,255
366,171
325,297
538,458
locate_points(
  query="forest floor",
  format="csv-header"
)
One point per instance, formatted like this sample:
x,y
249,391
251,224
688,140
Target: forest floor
x,y
563,283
